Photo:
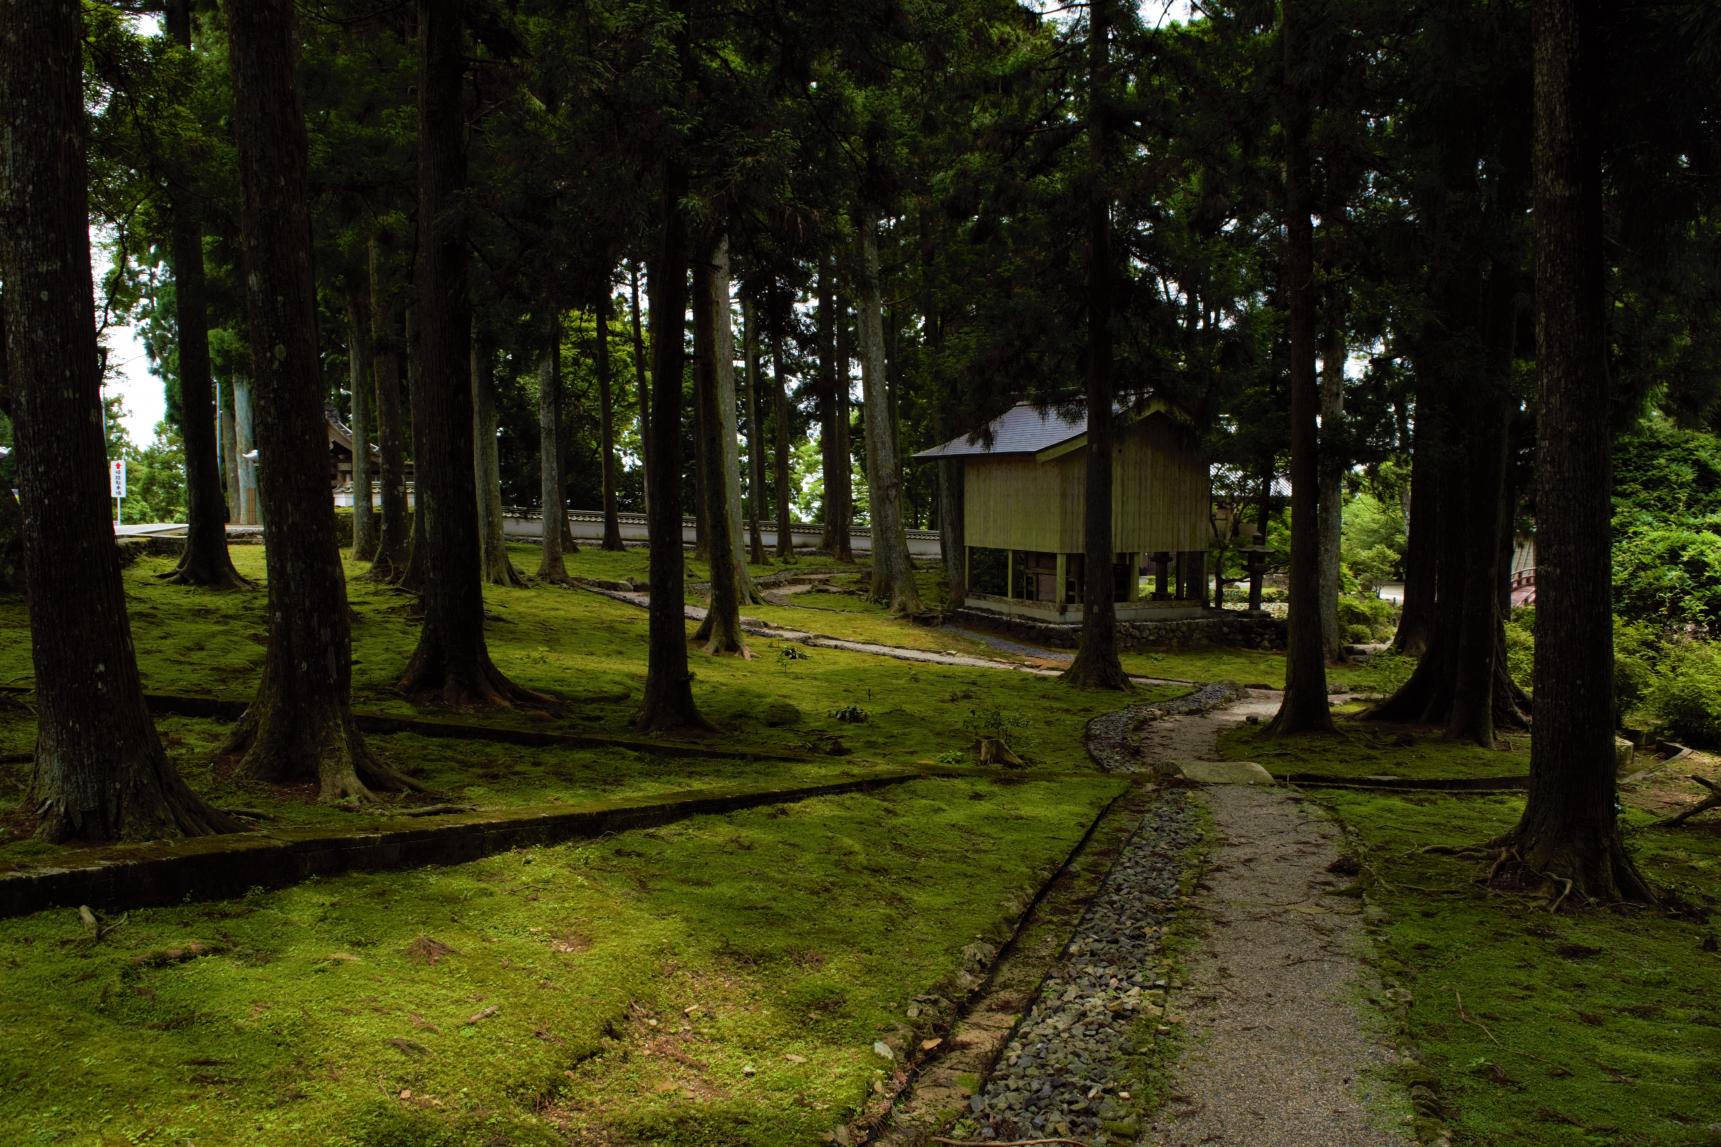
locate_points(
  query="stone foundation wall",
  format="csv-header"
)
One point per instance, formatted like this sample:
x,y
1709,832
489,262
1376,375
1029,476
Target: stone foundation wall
x,y
1228,629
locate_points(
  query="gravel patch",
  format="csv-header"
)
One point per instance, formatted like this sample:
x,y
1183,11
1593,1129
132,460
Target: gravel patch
x,y
1059,1074
1115,740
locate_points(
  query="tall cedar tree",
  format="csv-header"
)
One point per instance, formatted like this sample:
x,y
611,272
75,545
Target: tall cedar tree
x,y
361,374
892,573
205,560
1570,827
780,439
487,465
714,389
11,518
1096,663
551,566
452,660
100,772
755,433
833,417
1304,708
300,725
642,385
668,702
388,322
606,415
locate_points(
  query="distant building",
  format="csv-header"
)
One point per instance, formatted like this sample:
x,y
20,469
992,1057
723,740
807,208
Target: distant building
x,y
1024,495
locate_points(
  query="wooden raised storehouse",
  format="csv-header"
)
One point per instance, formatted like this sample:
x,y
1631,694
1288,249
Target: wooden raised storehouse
x,y
1024,491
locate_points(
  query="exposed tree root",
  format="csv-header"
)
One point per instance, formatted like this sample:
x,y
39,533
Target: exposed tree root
x,y
1587,872
288,750
206,575
150,803
477,685
1090,671
501,571
671,709
722,635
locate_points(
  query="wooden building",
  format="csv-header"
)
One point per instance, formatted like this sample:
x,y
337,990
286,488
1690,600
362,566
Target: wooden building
x,y
1024,494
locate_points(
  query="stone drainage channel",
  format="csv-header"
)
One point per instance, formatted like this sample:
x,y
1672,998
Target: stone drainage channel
x,y
1067,1070
1059,1041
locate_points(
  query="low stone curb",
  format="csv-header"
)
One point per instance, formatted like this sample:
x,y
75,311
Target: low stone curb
x,y
217,867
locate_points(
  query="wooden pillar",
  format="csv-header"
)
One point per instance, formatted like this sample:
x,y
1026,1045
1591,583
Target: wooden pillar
x,y
1063,565
1009,573
967,572
1161,570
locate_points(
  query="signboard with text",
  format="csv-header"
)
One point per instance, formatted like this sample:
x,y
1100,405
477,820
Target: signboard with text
x,y
116,478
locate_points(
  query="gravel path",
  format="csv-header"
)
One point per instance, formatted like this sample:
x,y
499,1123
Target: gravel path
x,y
1058,1074
1274,1048
1277,1051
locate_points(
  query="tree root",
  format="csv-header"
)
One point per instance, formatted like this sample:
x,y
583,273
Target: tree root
x,y
480,686
183,575
1713,800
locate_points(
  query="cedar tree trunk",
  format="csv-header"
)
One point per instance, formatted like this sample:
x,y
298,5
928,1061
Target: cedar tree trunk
x,y
755,433
551,567
300,725
642,385
1304,708
1570,827
668,702
1096,663
361,364
780,439
1416,621
205,560
606,408
388,319
100,772
892,574
487,467
721,629
1332,487
452,661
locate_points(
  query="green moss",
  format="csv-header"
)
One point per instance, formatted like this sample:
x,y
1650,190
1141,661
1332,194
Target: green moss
x,y
1381,673
635,982
1363,749
589,651
1596,1026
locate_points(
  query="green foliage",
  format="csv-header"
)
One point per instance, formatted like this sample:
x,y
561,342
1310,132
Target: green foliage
x,y
1373,539
1685,697
1667,511
1671,575
155,478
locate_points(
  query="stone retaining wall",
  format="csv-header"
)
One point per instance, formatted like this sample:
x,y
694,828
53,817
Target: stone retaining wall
x,y
1233,630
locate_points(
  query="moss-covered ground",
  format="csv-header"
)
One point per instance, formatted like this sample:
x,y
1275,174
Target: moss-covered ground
x,y
1360,749
720,980
1598,1025
589,652
1381,673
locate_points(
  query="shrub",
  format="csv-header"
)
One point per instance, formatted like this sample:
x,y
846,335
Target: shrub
x,y
1359,634
1687,700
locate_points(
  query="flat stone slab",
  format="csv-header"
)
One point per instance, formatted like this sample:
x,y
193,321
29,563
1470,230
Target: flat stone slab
x,y
1225,773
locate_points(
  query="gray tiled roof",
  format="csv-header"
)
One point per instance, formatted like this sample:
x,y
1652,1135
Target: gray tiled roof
x,y
1023,429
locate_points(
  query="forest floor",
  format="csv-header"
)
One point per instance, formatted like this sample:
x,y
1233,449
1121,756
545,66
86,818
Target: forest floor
x,y
775,976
